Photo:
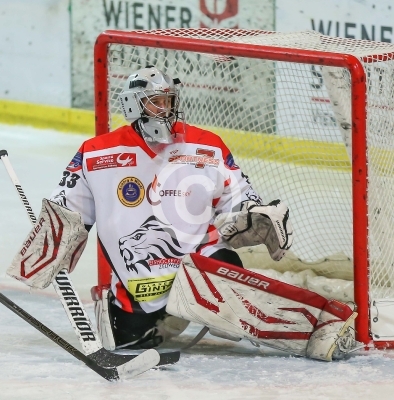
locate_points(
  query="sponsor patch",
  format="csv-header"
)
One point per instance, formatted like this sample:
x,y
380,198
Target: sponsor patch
x,y
198,161
131,191
162,263
148,289
76,163
117,160
202,158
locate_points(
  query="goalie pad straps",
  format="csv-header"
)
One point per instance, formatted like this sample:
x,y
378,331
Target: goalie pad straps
x,y
248,305
101,296
171,326
255,224
56,242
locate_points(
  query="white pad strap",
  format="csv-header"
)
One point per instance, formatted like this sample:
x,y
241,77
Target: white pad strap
x,y
101,297
56,242
171,326
258,224
248,305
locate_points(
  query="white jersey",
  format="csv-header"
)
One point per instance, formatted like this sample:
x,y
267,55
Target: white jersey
x,y
152,210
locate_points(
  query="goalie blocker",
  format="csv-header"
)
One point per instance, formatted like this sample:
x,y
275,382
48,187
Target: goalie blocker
x,y
238,303
56,242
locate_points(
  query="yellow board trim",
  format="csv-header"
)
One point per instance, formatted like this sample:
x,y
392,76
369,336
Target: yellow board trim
x,y
68,120
270,147
263,146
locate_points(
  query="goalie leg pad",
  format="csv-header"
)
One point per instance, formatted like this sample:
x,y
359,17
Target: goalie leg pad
x,y
119,329
241,303
56,242
102,297
334,322
166,328
248,305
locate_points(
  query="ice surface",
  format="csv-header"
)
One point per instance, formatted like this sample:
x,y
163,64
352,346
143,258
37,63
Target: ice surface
x,y
34,368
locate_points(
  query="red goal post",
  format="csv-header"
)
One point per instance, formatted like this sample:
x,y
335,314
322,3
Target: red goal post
x,y
234,63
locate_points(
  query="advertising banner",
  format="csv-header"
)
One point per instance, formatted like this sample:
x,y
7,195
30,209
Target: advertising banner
x,y
354,19
90,17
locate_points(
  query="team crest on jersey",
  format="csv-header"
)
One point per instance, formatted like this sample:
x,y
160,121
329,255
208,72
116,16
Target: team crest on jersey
x,y
153,240
75,163
131,191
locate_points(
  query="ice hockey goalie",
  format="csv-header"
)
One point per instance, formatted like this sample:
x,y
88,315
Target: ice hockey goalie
x,y
238,303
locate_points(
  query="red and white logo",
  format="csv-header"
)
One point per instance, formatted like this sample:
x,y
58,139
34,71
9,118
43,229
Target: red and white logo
x,y
203,157
117,160
219,13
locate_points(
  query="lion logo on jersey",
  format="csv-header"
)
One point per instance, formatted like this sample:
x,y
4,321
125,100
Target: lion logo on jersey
x,y
153,240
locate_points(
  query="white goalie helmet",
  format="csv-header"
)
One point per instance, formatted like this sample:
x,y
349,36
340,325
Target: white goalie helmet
x,y
151,98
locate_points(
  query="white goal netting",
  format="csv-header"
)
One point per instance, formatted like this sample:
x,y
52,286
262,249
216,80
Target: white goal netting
x,y
289,126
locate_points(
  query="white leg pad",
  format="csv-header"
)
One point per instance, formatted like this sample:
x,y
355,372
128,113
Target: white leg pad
x,y
103,321
324,338
248,305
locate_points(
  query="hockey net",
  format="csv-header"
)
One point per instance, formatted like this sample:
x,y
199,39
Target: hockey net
x,y
310,120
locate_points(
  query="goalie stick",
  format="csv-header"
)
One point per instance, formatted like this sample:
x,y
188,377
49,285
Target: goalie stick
x,y
139,364
77,315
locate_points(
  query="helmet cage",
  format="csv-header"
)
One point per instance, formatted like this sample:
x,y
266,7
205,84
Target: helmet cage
x,y
161,105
